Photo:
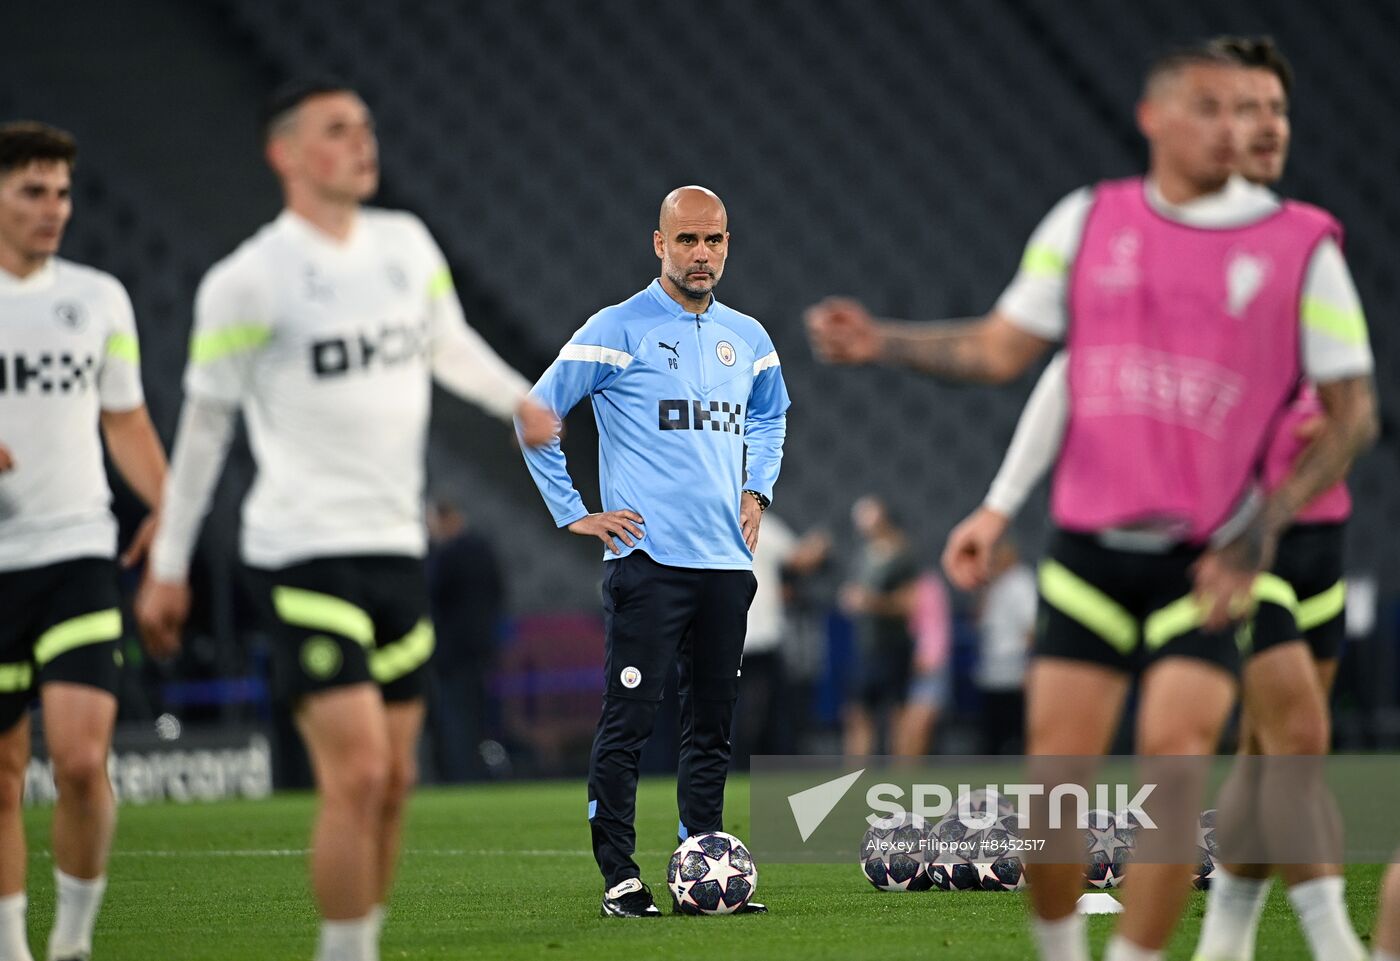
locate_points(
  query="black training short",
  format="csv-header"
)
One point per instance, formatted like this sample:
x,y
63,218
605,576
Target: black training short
x,y
1123,609
1309,563
61,622
337,621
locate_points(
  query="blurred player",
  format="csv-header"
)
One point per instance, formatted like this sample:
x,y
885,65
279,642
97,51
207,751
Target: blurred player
x,y
879,600
691,412
1150,470
70,377
1387,938
1295,644
326,329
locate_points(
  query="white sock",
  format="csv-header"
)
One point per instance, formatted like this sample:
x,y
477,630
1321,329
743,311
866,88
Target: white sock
x,y
377,914
1322,913
14,938
1232,917
75,913
1120,949
348,940
1383,955
1064,940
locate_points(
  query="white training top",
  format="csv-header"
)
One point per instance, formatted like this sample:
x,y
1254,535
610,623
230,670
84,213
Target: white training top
x,y
767,619
68,352
1334,342
331,348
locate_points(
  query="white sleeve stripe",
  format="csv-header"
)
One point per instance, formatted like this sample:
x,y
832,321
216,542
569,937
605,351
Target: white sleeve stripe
x,y
593,353
763,363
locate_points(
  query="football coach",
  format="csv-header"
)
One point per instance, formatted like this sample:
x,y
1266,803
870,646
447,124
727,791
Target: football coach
x,y
691,411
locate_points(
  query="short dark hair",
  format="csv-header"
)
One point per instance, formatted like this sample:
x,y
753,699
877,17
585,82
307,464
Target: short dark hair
x,y
291,95
1258,53
23,142
1192,55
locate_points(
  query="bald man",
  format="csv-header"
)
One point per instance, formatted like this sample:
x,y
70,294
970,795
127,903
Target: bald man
x,y
691,412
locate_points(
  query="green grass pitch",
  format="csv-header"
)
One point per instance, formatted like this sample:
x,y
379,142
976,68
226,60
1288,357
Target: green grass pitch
x,y
505,871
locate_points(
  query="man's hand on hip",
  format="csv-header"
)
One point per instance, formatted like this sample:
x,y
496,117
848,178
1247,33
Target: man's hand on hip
x,y
605,525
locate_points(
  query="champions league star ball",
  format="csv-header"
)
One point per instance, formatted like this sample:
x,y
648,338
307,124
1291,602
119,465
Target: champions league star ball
x,y
1207,851
892,854
712,874
948,859
1004,873
979,802
964,856
1108,842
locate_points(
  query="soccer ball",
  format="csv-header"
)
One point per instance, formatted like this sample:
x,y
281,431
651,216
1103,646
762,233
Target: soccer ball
x,y
965,857
1108,842
892,854
978,803
1207,851
712,874
953,850
1006,873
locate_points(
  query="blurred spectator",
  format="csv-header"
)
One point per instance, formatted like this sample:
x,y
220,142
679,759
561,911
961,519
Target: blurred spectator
x,y
1006,625
761,672
467,595
773,703
931,624
880,598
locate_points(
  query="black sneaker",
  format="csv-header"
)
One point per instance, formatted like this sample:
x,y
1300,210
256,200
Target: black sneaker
x,y
629,899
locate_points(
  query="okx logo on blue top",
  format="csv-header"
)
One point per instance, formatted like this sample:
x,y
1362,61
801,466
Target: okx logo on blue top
x,y
691,411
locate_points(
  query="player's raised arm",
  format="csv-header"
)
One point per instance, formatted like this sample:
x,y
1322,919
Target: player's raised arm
x,y
998,347
988,350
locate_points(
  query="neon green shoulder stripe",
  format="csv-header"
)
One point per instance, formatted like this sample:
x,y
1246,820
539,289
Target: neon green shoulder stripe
x,y
124,347
1041,261
215,345
1345,325
440,283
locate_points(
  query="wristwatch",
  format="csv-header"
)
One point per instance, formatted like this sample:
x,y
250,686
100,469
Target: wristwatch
x,y
763,502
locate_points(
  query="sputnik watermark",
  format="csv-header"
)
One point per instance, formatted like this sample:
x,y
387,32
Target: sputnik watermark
x,y
990,806
1163,810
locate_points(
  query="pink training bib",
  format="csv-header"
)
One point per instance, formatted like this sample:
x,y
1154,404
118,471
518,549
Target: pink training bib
x,y
1183,354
